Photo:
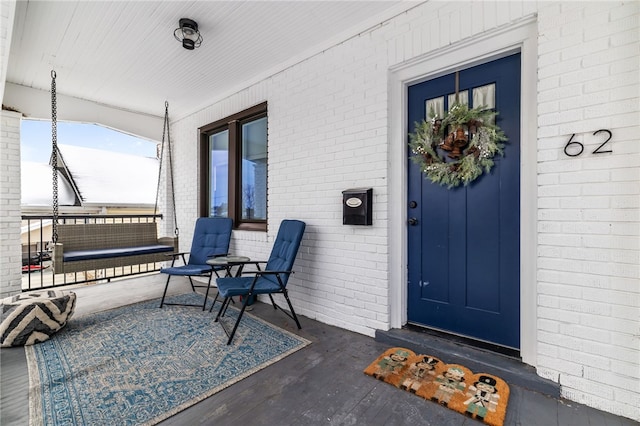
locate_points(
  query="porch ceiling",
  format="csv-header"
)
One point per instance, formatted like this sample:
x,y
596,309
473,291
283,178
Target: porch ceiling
x,y
123,54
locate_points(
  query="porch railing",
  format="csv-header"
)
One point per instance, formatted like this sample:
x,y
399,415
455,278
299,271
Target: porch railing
x,y
37,267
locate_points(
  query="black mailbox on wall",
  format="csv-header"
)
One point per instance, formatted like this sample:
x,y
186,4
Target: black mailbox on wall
x,y
356,206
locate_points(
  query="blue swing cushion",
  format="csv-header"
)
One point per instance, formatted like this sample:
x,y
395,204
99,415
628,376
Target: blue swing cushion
x,y
108,253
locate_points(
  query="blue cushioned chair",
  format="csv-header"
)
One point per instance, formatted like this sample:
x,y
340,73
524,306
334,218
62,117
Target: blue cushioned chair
x,y
211,238
273,279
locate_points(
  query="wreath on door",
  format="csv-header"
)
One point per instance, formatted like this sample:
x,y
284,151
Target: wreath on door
x,y
468,137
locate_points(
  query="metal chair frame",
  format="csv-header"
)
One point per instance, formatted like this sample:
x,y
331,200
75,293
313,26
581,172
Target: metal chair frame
x,y
202,249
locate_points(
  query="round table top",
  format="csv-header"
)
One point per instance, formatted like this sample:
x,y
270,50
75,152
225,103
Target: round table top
x,y
227,260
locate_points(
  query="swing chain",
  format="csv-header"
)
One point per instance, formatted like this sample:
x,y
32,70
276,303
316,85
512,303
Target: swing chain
x,y
166,133
173,192
54,155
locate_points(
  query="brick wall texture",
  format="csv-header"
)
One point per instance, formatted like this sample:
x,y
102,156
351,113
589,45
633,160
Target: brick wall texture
x,y
328,131
328,125
589,205
10,251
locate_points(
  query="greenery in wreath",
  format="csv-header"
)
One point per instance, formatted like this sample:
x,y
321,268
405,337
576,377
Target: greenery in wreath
x,y
468,136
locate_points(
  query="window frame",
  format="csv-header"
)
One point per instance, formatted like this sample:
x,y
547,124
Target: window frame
x,y
233,124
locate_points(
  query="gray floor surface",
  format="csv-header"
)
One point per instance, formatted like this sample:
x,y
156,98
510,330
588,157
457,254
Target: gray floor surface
x,y
324,383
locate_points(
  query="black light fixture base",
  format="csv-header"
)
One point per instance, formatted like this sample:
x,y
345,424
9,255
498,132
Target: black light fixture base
x,y
190,24
188,34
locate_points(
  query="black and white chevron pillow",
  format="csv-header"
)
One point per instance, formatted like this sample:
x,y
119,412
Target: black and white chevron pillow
x,y
33,317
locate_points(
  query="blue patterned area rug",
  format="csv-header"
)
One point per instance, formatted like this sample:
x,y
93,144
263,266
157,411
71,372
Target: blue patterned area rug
x,y
139,364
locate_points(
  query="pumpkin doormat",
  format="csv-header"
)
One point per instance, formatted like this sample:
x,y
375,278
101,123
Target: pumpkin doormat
x,y
481,396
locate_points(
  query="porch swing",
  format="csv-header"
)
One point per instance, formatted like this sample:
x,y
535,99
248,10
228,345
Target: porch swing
x,y
86,247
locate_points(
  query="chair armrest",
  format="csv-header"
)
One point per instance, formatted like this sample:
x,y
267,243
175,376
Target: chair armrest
x,y
274,272
267,272
255,262
176,254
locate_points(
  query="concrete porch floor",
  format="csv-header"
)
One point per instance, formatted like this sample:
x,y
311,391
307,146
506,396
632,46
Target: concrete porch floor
x,y
324,382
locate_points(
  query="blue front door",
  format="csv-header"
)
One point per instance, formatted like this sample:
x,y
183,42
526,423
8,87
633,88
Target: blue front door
x,y
464,243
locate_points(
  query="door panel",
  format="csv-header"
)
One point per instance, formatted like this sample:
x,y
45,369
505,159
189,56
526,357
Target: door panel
x,y
464,249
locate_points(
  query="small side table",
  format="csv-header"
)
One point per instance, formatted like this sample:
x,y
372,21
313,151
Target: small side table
x,y
228,262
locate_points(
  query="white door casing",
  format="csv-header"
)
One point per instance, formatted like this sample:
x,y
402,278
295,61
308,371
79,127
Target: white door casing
x,y
520,36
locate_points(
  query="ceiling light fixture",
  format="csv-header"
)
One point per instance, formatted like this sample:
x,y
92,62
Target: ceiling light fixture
x,y
188,34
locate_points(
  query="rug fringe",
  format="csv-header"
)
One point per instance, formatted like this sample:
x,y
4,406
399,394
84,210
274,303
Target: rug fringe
x,y
35,410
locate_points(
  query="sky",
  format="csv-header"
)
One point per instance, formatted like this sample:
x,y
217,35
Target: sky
x,y
35,140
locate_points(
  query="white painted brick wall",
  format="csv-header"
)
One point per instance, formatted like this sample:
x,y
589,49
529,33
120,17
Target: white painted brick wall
x,y
589,215
328,132
10,251
328,124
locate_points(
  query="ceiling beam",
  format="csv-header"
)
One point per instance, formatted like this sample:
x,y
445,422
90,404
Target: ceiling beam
x,y
36,104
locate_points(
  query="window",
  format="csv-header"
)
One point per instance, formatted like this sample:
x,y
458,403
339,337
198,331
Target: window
x,y
233,168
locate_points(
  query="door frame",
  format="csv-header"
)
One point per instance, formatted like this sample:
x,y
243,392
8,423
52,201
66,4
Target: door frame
x,y
520,36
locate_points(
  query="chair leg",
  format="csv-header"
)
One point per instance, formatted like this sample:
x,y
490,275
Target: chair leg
x,y
206,294
166,287
191,282
291,315
235,327
295,317
225,302
214,303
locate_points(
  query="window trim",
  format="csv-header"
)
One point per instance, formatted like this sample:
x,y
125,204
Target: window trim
x,y
233,123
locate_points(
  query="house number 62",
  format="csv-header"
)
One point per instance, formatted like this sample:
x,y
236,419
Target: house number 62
x,y
575,148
